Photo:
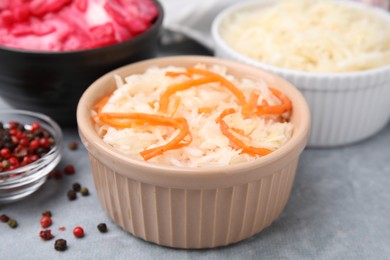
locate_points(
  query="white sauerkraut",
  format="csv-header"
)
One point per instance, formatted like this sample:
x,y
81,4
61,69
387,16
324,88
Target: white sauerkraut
x,y
311,35
209,147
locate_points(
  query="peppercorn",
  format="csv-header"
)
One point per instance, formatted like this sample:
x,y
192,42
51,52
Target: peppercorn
x,y
69,169
78,232
76,187
47,213
73,146
84,191
46,221
57,174
12,223
46,234
102,227
72,195
4,218
21,145
60,245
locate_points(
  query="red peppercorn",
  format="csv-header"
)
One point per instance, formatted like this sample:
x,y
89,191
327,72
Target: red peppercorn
x,y
69,169
57,174
46,234
24,142
34,157
34,144
78,232
45,142
12,124
26,160
46,221
13,131
35,126
13,161
5,153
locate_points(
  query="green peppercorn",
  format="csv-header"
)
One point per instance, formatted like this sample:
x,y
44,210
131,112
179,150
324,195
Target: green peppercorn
x,y
84,191
12,223
60,245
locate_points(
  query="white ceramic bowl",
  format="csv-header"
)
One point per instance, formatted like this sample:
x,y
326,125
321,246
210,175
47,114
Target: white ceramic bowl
x,y
345,107
192,207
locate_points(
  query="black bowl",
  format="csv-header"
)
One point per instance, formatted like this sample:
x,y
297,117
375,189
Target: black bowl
x,y
52,82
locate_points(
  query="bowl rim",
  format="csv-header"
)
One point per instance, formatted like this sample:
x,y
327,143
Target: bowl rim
x,y
162,173
157,23
57,134
220,43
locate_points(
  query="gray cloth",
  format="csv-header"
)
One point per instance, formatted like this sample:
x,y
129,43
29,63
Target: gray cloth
x,y
338,209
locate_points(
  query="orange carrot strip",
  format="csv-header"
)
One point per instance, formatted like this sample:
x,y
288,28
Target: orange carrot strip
x,y
286,105
131,118
176,105
99,106
224,113
171,145
164,98
251,150
176,74
252,103
206,110
238,131
225,82
142,117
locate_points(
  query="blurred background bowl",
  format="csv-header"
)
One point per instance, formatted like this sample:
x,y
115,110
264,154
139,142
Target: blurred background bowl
x,y
21,182
52,82
192,207
346,107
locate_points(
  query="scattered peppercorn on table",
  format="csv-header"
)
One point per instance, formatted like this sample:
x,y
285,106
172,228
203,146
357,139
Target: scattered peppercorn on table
x,y
338,209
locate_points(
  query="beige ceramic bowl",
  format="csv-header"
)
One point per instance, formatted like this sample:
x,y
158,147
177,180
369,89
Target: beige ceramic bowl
x,y
192,207
345,107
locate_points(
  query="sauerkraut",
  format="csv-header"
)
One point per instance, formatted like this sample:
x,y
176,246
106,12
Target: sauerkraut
x,y
311,35
228,120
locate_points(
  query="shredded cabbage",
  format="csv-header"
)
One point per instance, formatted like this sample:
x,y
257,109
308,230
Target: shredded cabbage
x,y
209,147
311,35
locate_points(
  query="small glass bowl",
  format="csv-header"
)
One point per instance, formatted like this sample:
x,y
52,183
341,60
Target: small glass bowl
x,y
21,182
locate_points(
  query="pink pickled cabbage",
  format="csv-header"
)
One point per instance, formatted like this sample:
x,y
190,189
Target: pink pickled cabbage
x,y
66,25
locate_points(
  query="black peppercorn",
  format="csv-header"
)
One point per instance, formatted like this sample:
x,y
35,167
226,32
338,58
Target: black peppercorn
x,y
76,187
102,227
47,213
73,146
72,195
84,191
39,133
60,245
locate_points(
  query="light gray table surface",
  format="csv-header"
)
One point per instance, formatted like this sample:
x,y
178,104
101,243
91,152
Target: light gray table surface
x,y
338,209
